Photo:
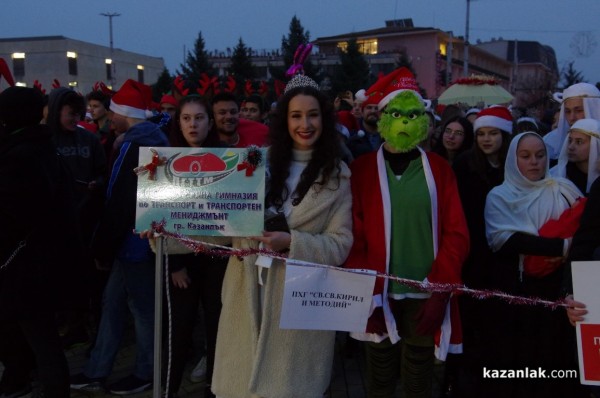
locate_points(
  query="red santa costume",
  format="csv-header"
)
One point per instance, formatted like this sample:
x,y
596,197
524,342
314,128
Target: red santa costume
x,y
372,233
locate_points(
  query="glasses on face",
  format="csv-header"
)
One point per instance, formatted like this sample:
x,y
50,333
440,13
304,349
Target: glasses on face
x,y
454,133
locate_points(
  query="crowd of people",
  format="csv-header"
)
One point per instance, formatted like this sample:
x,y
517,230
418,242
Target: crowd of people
x,y
375,180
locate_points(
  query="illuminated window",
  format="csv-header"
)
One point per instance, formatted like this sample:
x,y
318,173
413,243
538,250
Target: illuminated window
x,y
18,61
367,47
140,69
109,73
443,48
72,60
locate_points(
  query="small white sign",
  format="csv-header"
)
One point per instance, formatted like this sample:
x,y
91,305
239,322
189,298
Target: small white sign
x,y
326,298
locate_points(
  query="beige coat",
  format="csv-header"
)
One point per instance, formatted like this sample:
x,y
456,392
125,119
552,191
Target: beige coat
x,y
255,358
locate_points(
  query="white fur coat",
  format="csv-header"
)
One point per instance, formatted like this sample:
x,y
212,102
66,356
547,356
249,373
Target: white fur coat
x,y
255,358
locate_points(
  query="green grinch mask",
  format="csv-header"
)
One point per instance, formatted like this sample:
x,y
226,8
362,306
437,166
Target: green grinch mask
x,y
403,122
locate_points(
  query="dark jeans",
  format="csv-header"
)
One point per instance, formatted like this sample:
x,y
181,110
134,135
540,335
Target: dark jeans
x,y
206,274
33,343
130,287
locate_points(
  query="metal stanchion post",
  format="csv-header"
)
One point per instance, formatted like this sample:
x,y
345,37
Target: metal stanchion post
x,y
158,289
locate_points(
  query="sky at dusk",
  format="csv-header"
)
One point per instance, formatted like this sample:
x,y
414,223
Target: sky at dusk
x,y
165,28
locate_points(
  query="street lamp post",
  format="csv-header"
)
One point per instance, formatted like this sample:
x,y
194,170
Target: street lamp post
x,y
449,49
110,16
466,55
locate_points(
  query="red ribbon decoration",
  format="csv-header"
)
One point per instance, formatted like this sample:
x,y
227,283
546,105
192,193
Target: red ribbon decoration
x,y
248,167
151,167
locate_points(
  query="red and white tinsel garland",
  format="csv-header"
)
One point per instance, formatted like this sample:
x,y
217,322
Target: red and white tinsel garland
x,y
224,251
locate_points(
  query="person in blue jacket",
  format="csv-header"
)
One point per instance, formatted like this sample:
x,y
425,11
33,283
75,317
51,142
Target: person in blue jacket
x,y
115,246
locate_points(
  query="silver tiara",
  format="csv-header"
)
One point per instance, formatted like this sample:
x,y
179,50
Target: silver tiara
x,y
300,81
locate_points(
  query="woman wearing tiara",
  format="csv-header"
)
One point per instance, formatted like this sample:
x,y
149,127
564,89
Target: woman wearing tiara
x,y
310,185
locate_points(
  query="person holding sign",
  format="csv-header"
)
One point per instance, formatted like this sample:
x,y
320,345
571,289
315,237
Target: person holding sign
x,y
194,277
311,187
530,221
585,247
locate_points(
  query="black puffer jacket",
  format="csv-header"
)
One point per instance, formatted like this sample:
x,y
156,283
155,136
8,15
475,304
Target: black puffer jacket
x,y
36,206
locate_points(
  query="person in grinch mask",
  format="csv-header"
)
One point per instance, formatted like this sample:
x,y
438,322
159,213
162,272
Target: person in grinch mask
x,y
408,222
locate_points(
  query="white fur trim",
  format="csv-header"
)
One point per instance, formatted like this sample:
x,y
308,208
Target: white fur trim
x,y
128,111
390,321
360,96
493,121
446,332
433,197
384,101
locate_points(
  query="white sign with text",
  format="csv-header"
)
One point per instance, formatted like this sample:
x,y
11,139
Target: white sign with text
x,y
326,298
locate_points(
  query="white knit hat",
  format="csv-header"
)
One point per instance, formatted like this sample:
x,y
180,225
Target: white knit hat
x,y
495,116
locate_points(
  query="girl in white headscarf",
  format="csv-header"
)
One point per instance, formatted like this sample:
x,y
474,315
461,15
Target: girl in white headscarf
x,y
582,172
515,211
589,95
523,204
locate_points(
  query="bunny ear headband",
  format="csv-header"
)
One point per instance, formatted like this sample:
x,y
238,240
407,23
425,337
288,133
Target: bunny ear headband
x,y
300,56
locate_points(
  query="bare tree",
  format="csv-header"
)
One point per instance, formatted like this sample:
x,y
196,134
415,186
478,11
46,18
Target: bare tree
x,y
583,44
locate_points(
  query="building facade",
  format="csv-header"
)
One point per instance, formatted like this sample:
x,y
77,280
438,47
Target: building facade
x,y
437,57
75,63
535,70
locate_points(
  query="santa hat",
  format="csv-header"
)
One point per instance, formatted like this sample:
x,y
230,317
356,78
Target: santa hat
x,y
5,72
360,96
168,99
495,116
581,90
390,85
134,99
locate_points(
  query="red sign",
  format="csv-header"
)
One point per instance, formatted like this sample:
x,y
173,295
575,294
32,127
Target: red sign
x,y
590,348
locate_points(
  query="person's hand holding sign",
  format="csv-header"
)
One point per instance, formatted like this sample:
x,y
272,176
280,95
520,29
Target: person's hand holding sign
x,y
275,240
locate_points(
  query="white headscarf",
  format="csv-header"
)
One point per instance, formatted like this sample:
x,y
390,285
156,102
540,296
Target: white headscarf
x,y
591,107
590,127
522,205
